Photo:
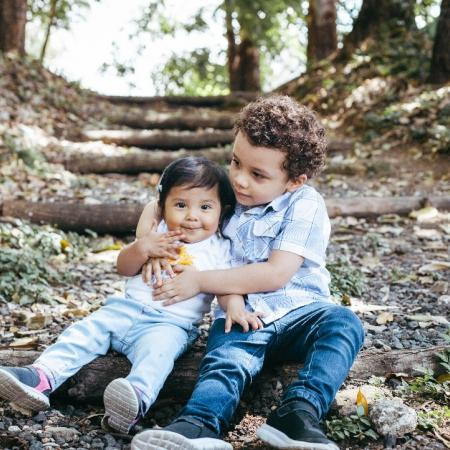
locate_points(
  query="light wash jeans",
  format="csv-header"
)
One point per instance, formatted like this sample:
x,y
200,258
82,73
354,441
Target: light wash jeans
x,y
323,336
151,339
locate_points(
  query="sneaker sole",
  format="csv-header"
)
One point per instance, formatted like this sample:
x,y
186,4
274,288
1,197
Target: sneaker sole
x,y
121,405
278,439
168,440
26,397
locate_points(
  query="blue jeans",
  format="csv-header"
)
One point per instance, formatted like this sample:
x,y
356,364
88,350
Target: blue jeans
x,y
323,336
151,340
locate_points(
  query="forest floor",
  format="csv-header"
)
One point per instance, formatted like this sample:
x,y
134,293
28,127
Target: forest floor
x,y
392,270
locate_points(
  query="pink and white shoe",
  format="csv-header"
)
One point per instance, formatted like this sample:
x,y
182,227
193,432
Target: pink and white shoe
x,y
27,387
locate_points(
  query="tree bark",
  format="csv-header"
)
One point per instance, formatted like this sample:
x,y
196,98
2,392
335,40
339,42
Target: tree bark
x,y
115,218
248,66
160,139
234,99
13,18
179,121
380,19
440,60
122,218
322,35
89,383
128,161
232,65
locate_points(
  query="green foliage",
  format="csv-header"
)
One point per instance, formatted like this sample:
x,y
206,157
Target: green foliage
x,y
191,74
346,279
66,11
444,356
353,427
434,418
427,386
32,260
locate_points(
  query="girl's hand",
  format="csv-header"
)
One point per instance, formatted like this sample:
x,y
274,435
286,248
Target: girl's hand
x,y
185,285
155,266
246,319
160,245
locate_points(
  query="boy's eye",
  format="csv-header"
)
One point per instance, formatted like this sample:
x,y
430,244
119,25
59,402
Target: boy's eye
x,y
234,161
257,175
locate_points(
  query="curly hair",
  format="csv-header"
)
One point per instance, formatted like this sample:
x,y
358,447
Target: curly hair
x,y
279,122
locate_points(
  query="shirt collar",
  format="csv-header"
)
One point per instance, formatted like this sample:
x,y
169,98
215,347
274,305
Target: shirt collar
x,y
275,205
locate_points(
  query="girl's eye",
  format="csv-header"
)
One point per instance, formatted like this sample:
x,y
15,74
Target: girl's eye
x,y
180,205
205,207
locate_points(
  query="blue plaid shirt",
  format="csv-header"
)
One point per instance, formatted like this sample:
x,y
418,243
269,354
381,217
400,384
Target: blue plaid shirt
x,y
294,222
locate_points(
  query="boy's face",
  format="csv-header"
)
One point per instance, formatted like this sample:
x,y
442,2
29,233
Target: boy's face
x,y
257,173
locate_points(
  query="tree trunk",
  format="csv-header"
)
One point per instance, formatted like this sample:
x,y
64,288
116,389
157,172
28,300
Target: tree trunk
x,y
249,66
232,59
161,139
178,121
122,218
440,60
232,100
114,218
380,19
89,383
51,18
78,159
13,18
322,35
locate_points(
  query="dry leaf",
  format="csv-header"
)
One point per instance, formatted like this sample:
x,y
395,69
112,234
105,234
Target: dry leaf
x,y
385,317
424,214
435,266
27,342
361,402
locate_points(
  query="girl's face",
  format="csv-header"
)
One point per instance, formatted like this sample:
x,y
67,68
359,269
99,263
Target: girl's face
x,y
194,211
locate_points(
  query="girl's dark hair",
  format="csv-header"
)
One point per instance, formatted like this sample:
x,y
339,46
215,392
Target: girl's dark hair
x,y
197,172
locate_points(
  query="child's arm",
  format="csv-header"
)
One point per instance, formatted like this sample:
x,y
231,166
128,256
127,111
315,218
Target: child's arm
x,y
234,306
270,275
152,244
148,217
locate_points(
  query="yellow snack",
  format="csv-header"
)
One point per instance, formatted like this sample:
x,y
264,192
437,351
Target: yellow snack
x,y
184,258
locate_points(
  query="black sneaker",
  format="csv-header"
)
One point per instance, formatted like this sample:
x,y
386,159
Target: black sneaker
x,y
26,387
186,433
295,426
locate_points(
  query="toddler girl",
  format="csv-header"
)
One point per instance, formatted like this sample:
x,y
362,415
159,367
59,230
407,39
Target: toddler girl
x,y
194,198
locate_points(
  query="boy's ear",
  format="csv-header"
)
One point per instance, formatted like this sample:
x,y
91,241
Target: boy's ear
x,y
293,185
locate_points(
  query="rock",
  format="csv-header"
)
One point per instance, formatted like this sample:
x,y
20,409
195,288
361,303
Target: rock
x,y
392,418
68,434
345,400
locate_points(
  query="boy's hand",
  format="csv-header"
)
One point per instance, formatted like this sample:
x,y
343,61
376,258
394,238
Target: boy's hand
x,y
246,319
185,285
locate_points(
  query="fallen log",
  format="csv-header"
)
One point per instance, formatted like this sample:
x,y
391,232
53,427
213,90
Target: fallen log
x,y
178,121
234,99
76,158
116,218
377,206
121,218
88,384
168,139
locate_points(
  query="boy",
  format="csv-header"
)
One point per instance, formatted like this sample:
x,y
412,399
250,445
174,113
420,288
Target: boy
x,y
279,233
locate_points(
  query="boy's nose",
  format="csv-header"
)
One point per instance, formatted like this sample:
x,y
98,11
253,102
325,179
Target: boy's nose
x,y
241,181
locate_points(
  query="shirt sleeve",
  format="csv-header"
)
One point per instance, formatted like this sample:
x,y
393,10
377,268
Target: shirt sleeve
x,y
305,230
223,254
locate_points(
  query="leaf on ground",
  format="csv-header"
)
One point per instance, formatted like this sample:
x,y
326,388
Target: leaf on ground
x,y
385,317
434,266
428,318
424,214
361,404
25,343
